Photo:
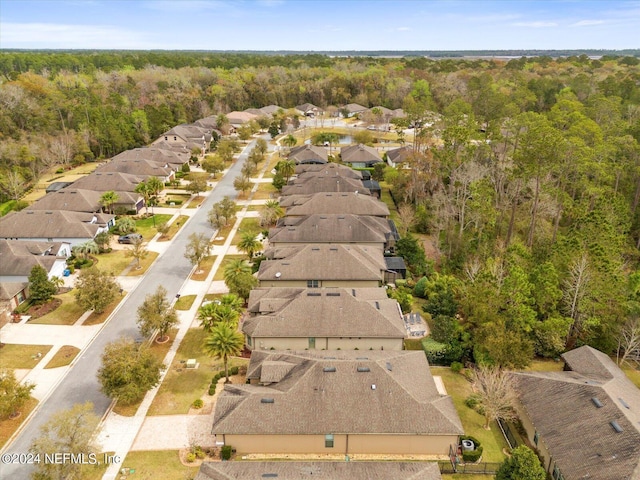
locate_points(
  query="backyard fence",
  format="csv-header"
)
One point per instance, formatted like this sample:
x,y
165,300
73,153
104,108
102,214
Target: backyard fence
x,y
482,468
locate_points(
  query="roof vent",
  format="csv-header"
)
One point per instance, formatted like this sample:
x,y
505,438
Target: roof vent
x,y
314,294
278,275
363,369
378,305
333,294
353,292
269,475
315,249
616,426
596,402
333,249
267,400
389,367
373,386
329,369
623,403
362,358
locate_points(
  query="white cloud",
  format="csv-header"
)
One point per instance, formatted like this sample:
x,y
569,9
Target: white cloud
x,y
587,23
55,35
535,24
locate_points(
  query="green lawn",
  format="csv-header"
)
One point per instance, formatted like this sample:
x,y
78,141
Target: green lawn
x,y
63,357
113,262
96,318
13,355
247,224
265,191
459,388
178,198
633,375
146,226
182,386
173,228
184,302
196,201
222,235
219,275
163,464
66,314
145,263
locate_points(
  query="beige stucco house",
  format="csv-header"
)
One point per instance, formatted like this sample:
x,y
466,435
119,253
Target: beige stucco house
x,y
338,402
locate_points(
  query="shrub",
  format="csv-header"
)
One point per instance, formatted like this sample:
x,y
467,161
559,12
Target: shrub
x,y
420,288
191,457
60,170
212,390
234,371
456,367
225,452
175,202
471,401
473,455
200,454
198,403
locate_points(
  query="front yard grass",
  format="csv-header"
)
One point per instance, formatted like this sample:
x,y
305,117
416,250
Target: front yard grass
x,y
247,224
173,228
158,464
145,226
63,357
9,426
96,318
219,275
14,355
159,350
184,302
182,386
113,262
205,267
265,191
196,201
459,388
67,313
145,263
222,234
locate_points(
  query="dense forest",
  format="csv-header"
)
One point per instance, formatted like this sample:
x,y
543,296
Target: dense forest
x,y
526,173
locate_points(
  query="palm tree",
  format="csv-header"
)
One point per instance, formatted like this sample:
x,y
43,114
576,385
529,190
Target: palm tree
x,y
213,313
143,189
107,199
286,168
235,268
85,249
271,213
233,301
223,342
249,244
155,185
58,282
289,141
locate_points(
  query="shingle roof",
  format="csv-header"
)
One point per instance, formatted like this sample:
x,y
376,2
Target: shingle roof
x,y
306,107
139,167
323,262
104,182
18,257
359,154
51,224
319,471
308,154
354,108
162,156
399,155
329,202
270,109
73,199
237,118
310,400
333,312
329,168
189,132
308,184
8,290
331,228
577,432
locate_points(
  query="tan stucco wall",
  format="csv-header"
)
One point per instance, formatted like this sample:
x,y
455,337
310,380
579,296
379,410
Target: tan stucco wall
x,y
367,444
327,343
323,283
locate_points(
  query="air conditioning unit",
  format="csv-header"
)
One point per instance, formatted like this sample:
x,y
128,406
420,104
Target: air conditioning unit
x,y
468,445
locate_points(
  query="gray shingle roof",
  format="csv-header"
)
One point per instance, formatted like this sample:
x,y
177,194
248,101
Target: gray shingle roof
x,y
323,262
354,108
269,299
331,228
309,400
399,155
18,257
360,154
319,471
140,167
329,312
104,182
51,224
329,168
73,199
162,156
8,290
310,184
330,202
578,433
308,154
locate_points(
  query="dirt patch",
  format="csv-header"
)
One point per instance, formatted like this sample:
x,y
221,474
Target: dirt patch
x,y
37,311
431,252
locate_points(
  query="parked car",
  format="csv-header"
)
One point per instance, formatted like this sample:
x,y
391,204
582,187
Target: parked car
x,y
130,238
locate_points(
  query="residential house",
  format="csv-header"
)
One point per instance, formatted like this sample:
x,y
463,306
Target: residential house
x,y
322,265
17,259
310,183
324,319
121,183
309,110
237,119
353,109
12,294
584,421
163,156
55,186
341,402
139,168
334,169
398,157
210,123
308,154
54,226
320,470
330,202
271,110
187,136
335,229
360,156
72,199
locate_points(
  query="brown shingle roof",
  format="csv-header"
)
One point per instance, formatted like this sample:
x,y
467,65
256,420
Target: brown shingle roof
x,y
354,108
308,154
18,257
73,199
329,202
8,290
332,229
104,182
579,434
269,299
332,312
346,401
329,168
399,155
51,224
319,471
308,185
323,262
360,154
139,167
162,156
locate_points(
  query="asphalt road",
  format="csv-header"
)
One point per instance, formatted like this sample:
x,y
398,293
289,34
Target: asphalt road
x,y
80,384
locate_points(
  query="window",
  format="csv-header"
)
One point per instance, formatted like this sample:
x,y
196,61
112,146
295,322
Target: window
x,y
536,438
328,440
166,138
313,283
248,340
312,343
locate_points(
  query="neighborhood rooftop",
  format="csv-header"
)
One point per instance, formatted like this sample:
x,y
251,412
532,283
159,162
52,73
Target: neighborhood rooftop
x,y
330,202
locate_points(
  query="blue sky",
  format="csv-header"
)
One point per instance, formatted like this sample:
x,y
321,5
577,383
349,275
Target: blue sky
x,y
319,25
